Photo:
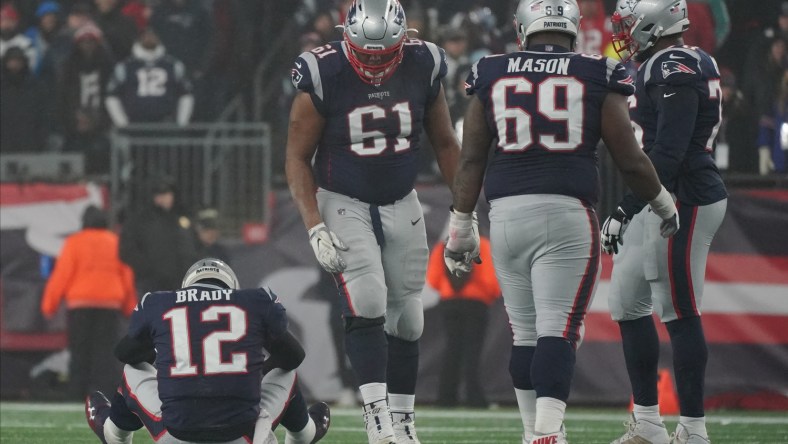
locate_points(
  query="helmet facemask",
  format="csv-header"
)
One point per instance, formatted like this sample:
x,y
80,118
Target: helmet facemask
x,y
625,46
374,66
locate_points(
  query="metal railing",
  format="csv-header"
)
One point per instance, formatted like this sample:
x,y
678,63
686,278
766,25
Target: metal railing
x,y
226,166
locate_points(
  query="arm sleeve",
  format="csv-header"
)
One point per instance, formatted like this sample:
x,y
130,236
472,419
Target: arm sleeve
x,y
138,325
135,350
275,317
286,353
677,109
619,80
439,70
305,75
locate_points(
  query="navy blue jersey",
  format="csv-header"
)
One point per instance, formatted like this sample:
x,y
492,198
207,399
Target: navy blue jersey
x,y
544,109
369,149
209,351
678,108
149,90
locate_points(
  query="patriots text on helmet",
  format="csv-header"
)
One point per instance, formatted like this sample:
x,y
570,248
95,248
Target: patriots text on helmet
x,y
552,66
555,25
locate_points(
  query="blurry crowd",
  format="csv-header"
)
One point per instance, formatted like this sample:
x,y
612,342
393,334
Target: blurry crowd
x,y
73,69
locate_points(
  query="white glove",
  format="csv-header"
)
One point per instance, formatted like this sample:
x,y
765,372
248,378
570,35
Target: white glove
x,y
613,231
325,244
462,246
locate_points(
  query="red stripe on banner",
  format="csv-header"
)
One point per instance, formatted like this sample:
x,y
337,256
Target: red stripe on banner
x,y
733,268
18,194
32,341
718,328
778,195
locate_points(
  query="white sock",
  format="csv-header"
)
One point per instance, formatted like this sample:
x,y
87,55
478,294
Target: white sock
x,y
648,413
401,406
549,415
115,435
526,401
695,426
373,392
304,436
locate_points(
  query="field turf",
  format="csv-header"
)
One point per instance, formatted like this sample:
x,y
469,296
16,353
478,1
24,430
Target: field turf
x,y
27,423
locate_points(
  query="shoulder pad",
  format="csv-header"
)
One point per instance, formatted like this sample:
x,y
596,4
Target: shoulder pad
x,y
311,67
429,54
673,66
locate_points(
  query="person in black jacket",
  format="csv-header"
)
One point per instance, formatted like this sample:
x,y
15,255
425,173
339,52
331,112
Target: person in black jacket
x,y
24,106
158,241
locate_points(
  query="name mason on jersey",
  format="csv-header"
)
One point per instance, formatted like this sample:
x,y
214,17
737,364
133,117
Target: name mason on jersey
x,y
551,66
191,295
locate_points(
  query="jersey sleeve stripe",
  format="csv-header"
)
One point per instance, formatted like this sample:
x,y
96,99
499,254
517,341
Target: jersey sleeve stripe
x,y
611,66
314,71
436,57
142,301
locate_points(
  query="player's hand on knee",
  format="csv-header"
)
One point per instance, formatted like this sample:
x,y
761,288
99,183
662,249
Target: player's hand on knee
x,y
325,244
462,246
613,231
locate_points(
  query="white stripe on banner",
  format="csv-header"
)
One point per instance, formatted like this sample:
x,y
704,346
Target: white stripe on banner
x,y
766,299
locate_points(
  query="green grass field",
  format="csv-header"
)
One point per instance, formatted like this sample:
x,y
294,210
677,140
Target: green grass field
x,y
25,423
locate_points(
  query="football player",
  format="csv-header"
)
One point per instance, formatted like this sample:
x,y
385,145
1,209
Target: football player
x,y
361,105
208,340
544,109
677,108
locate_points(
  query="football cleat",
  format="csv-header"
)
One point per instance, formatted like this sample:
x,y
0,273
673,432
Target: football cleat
x,y
405,429
683,436
558,437
97,408
377,420
321,415
643,432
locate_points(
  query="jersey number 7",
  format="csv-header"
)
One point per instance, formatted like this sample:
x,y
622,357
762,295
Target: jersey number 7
x,y
212,363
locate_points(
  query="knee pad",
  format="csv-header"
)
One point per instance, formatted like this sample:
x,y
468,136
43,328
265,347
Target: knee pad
x,y
408,323
356,323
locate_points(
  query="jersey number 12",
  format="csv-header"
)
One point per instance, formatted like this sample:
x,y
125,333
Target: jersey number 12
x,y
211,344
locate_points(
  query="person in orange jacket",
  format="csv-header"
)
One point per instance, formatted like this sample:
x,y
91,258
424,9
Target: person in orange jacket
x,y
97,288
464,305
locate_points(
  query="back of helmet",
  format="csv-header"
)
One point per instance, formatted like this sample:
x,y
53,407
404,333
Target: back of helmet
x,y
534,16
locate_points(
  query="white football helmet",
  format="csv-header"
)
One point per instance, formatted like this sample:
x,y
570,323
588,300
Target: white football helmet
x,y
534,16
210,268
638,24
374,33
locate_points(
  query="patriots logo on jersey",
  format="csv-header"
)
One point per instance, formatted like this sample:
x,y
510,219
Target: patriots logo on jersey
x,y
296,76
628,81
671,67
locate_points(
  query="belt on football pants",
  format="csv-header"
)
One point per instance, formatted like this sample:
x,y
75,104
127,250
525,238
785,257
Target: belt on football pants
x,y
377,225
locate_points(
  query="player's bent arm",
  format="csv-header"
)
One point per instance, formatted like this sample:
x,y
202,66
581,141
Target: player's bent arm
x,y
437,123
134,351
304,131
677,110
286,353
617,133
476,141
